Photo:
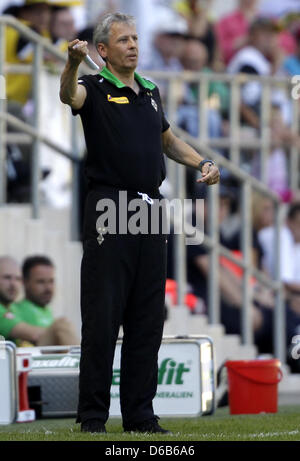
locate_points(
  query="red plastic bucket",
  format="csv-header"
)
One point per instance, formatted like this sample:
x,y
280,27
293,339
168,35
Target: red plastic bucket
x,y
253,386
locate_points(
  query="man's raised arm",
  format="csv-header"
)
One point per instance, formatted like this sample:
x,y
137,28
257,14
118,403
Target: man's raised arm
x,y
70,92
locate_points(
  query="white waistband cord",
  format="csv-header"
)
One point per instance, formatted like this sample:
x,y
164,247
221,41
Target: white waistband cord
x,y
146,198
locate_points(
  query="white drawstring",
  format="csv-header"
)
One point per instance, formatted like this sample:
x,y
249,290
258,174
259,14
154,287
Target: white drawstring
x,y
146,198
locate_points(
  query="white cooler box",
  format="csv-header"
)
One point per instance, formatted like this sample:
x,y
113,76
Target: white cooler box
x,y
9,402
186,378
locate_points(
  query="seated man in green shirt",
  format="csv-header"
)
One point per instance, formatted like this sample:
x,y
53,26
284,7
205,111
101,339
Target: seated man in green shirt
x,y
39,285
38,279
10,288
31,320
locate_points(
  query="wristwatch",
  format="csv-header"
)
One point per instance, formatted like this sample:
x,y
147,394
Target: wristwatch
x,y
202,163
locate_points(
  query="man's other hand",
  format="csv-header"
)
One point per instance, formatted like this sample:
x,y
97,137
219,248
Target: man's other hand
x,y
210,174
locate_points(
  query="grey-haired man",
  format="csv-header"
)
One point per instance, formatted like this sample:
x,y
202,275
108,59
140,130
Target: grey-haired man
x,y
123,275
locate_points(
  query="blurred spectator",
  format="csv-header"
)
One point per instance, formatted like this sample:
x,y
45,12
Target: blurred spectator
x,y
18,163
34,321
200,26
19,50
195,55
168,42
10,288
37,13
62,26
195,59
288,13
278,8
286,39
188,115
262,217
232,30
262,211
289,268
39,284
291,65
290,250
45,18
230,282
277,164
231,224
258,58
167,47
282,138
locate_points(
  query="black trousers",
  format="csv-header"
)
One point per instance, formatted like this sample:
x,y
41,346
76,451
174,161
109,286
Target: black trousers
x,y
122,282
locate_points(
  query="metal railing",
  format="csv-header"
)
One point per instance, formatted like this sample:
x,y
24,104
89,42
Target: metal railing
x,y
235,143
202,143
33,130
216,249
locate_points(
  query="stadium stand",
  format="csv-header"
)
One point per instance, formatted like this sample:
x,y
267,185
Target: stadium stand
x,y
40,228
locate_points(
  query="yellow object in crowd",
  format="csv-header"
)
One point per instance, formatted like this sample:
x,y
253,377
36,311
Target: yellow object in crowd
x,y
18,86
67,3
183,8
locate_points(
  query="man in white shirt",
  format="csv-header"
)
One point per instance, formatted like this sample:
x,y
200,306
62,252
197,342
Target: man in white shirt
x,y
289,251
259,58
289,272
278,8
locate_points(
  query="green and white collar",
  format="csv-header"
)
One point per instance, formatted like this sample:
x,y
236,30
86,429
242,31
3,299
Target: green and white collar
x,y
115,81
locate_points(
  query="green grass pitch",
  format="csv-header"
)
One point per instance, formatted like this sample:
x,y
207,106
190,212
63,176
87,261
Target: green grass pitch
x,y
281,426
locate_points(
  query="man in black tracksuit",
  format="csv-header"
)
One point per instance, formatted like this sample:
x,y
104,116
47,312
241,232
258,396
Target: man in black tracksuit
x,y
122,274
